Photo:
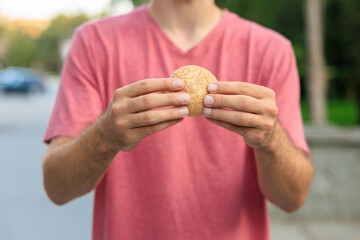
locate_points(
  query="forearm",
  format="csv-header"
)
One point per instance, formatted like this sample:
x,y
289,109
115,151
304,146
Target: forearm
x,y
284,172
74,168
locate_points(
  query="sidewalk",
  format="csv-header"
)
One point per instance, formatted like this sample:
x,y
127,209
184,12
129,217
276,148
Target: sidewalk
x,y
315,230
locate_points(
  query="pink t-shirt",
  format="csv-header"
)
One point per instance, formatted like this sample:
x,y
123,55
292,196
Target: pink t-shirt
x,y
194,180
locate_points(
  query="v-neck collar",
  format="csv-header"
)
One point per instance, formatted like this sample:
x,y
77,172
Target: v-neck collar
x,y
214,32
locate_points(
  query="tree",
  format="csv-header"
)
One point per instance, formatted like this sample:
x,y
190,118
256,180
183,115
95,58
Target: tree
x,y
316,80
19,49
48,45
138,2
343,49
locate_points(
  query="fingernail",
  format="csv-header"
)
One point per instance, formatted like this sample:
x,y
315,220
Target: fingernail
x,y
207,111
178,83
184,97
212,87
208,100
184,111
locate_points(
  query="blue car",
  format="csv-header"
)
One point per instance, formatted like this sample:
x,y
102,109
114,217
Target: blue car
x,y
19,79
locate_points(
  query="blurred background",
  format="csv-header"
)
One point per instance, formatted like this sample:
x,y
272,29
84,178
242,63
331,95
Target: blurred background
x,y
35,37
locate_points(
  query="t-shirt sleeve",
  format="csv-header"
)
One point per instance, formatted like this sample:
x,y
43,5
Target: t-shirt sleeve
x,y
283,77
78,102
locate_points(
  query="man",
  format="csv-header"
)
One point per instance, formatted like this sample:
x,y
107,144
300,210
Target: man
x,y
119,126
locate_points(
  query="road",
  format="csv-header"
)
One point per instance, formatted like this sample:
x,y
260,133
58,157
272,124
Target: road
x,y
25,211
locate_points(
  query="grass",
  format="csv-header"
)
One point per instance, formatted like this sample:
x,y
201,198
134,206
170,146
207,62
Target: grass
x,y
340,112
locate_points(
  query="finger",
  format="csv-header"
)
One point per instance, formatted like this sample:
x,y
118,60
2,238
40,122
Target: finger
x,y
237,102
152,85
148,130
241,88
231,127
241,119
150,101
157,116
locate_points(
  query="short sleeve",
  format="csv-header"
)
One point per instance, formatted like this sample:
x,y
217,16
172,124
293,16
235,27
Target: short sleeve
x,y
283,77
78,102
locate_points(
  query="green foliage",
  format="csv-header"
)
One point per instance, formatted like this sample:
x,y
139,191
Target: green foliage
x,y
21,51
138,2
48,45
340,112
26,51
343,49
343,45
63,26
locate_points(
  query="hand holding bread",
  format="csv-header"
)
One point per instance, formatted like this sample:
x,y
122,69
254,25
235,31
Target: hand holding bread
x,y
247,109
141,109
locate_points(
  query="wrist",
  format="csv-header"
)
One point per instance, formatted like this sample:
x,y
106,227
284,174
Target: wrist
x,y
103,142
274,142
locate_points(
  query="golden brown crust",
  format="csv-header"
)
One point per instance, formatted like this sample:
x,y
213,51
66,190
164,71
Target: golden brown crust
x,y
196,80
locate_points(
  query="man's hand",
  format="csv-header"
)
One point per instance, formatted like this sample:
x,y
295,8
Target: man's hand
x,y
247,109
74,166
284,172
131,115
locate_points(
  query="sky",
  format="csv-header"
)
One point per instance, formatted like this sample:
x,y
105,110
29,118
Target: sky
x,y
46,9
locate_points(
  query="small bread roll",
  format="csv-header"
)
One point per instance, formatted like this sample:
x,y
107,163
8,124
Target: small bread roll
x,y
196,80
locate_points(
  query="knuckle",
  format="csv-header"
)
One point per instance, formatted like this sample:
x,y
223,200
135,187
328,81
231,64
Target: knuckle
x,y
271,109
116,108
113,110
130,106
134,120
268,124
257,137
243,120
271,93
120,124
146,118
246,104
118,93
147,100
144,84
274,111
